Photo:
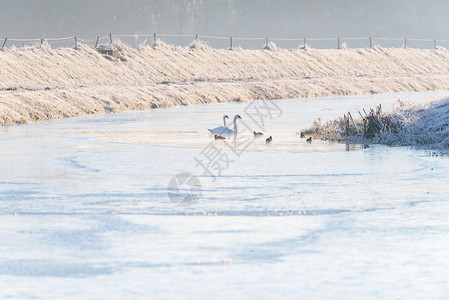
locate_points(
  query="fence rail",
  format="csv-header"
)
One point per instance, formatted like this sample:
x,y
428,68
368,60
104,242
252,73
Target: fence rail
x,y
229,42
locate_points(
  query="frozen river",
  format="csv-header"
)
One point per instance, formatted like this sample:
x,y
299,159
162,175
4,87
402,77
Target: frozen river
x,y
85,213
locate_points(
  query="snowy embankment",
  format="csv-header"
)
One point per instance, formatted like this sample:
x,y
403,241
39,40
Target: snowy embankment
x,y
424,126
38,84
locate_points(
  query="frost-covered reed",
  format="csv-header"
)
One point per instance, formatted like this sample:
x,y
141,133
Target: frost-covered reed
x,y
424,126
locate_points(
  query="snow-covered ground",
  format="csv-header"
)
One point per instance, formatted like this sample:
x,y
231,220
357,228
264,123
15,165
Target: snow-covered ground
x,y
84,210
39,84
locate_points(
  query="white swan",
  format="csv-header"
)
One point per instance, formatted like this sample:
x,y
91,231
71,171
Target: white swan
x,y
224,129
221,129
235,124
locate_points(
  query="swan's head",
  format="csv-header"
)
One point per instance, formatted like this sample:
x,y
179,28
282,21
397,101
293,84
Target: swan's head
x,y
237,117
226,117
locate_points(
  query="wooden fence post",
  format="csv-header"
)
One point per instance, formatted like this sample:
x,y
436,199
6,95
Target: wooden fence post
x,y
4,43
96,42
339,45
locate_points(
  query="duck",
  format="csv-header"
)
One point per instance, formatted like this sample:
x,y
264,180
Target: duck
x,y
268,140
221,129
219,137
257,134
309,139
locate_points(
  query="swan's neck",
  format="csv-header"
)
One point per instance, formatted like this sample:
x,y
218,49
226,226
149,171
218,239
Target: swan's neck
x,y
235,125
224,121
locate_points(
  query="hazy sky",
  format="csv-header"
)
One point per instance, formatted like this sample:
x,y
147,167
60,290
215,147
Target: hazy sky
x,y
282,18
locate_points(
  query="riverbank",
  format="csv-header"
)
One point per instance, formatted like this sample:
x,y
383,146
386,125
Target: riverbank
x,y
422,126
39,84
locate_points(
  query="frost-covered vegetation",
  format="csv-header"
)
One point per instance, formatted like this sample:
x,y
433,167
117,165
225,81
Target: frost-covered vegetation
x,y
41,83
421,126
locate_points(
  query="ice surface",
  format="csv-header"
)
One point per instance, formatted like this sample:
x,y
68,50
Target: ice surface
x,y
84,211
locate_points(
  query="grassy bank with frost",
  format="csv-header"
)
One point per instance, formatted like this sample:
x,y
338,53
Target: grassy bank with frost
x,y
420,126
44,83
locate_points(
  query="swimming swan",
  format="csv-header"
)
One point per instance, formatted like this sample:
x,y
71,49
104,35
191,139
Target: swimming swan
x,y
221,129
226,130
